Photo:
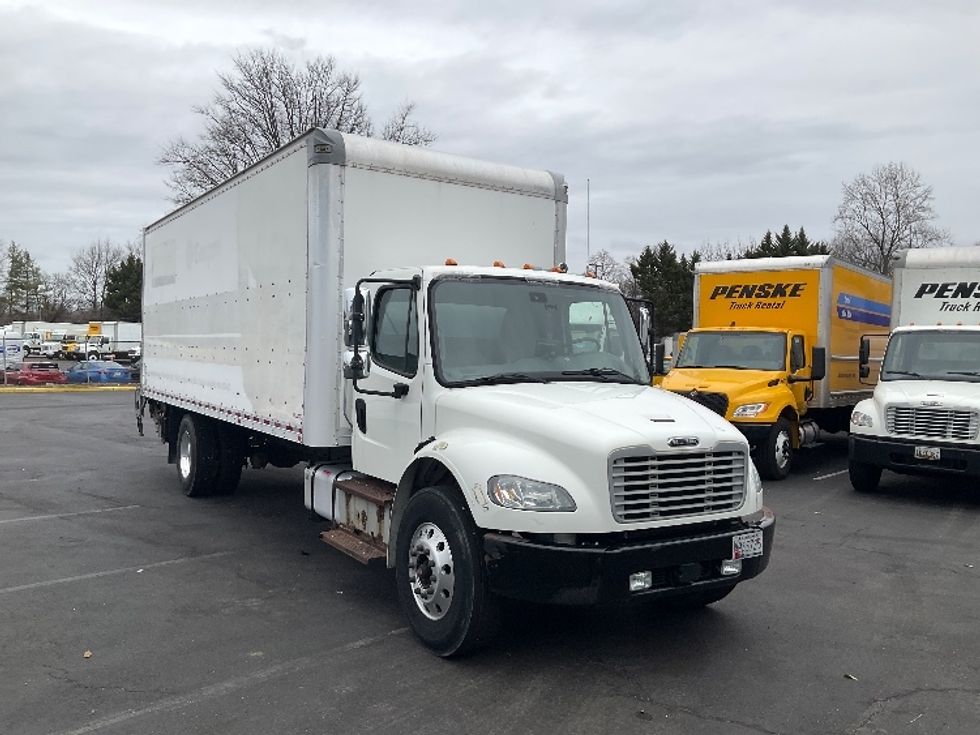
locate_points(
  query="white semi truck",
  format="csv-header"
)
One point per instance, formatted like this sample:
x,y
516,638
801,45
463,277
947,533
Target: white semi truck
x,y
924,415
464,423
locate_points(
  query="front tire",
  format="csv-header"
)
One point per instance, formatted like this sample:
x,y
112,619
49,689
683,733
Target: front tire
x,y
196,456
775,455
864,477
442,585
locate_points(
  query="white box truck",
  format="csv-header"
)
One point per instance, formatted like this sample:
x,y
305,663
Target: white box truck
x,y
485,430
924,415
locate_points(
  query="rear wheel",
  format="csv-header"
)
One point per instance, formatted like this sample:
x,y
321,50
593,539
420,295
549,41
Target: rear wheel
x,y
196,456
864,477
775,455
442,586
230,453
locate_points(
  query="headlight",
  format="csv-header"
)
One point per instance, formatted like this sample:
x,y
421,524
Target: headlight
x,y
749,410
859,418
520,493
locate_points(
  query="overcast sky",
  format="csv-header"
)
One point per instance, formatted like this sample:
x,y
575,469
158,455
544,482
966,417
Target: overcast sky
x,y
695,121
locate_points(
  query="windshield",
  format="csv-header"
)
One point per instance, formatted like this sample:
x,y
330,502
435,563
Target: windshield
x,y
495,330
933,355
740,350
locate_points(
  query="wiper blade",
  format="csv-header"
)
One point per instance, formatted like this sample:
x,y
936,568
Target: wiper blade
x,y
734,367
910,373
963,372
505,378
598,372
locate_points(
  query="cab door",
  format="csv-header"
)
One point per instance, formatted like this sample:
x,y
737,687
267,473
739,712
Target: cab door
x,y
799,371
388,401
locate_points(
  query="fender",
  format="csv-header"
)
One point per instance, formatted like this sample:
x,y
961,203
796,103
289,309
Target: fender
x,y
471,456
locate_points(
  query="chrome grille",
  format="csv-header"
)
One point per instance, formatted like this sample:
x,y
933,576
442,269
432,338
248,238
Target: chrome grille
x,y
932,423
647,487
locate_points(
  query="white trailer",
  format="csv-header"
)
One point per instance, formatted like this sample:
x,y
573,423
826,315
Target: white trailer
x,y
461,422
924,416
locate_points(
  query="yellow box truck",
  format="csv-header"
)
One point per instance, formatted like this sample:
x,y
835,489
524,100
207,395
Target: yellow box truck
x,y
775,348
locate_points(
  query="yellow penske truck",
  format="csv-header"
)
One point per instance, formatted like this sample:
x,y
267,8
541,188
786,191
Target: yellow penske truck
x,y
775,348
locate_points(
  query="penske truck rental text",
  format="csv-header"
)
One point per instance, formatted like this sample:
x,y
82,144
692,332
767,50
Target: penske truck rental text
x,y
770,291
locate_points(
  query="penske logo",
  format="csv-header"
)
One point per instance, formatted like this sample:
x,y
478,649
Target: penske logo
x,y
952,290
758,291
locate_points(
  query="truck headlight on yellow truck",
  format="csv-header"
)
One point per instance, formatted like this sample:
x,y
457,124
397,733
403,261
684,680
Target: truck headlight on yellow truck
x,y
521,493
749,410
859,418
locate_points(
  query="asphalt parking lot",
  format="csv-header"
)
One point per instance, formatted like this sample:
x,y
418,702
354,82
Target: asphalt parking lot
x,y
227,615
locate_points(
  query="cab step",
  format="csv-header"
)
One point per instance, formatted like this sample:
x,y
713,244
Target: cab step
x,y
353,545
375,491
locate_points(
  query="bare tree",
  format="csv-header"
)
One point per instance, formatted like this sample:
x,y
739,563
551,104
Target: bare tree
x,y
90,268
883,212
264,103
605,266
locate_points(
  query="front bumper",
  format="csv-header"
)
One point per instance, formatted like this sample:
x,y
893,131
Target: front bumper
x,y
898,455
583,575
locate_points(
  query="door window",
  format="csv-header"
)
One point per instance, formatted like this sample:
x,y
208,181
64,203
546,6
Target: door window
x,y
395,334
798,356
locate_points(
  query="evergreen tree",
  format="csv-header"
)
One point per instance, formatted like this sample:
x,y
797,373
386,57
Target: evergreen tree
x,y
668,282
124,288
785,243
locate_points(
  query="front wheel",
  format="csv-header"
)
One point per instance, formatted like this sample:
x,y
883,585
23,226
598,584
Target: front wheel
x,y
775,454
442,586
864,477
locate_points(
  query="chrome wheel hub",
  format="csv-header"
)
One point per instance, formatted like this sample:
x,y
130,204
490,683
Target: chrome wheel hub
x,y
784,450
430,571
184,455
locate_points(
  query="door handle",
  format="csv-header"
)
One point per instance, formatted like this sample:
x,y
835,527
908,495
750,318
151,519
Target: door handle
x,y
360,415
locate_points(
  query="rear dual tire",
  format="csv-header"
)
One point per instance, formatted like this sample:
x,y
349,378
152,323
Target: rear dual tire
x,y
209,457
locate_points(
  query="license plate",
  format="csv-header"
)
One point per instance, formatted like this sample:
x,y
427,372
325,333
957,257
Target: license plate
x,y
747,545
930,453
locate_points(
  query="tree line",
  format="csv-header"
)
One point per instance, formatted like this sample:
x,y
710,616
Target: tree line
x,y
881,212
104,281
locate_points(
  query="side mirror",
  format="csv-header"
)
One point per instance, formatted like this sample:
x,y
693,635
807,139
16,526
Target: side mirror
x,y
818,363
644,329
355,326
357,366
658,359
864,353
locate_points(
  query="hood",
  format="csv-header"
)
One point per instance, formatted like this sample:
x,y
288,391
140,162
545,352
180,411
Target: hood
x,y
729,381
592,416
939,393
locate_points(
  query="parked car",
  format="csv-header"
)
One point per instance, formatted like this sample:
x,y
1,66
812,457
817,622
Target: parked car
x,y
10,372
38,373
98,371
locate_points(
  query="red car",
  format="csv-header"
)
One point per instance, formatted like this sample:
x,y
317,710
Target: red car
x,y
35,373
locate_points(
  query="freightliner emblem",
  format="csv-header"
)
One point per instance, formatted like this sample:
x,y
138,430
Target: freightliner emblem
x,y
683,441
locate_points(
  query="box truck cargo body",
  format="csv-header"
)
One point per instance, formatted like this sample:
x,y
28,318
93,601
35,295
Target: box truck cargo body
x,y
774,347
924,416
486,430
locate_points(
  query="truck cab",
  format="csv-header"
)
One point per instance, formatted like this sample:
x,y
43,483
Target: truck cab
x,y
758,378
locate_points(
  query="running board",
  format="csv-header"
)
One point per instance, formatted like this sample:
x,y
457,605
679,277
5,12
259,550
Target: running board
x,y
352,545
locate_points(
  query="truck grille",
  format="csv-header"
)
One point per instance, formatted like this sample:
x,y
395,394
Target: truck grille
x,y
717,402
934,423
648,487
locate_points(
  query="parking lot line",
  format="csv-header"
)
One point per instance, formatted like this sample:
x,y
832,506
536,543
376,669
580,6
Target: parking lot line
x,y
832,474
228,686
68,515
110,572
